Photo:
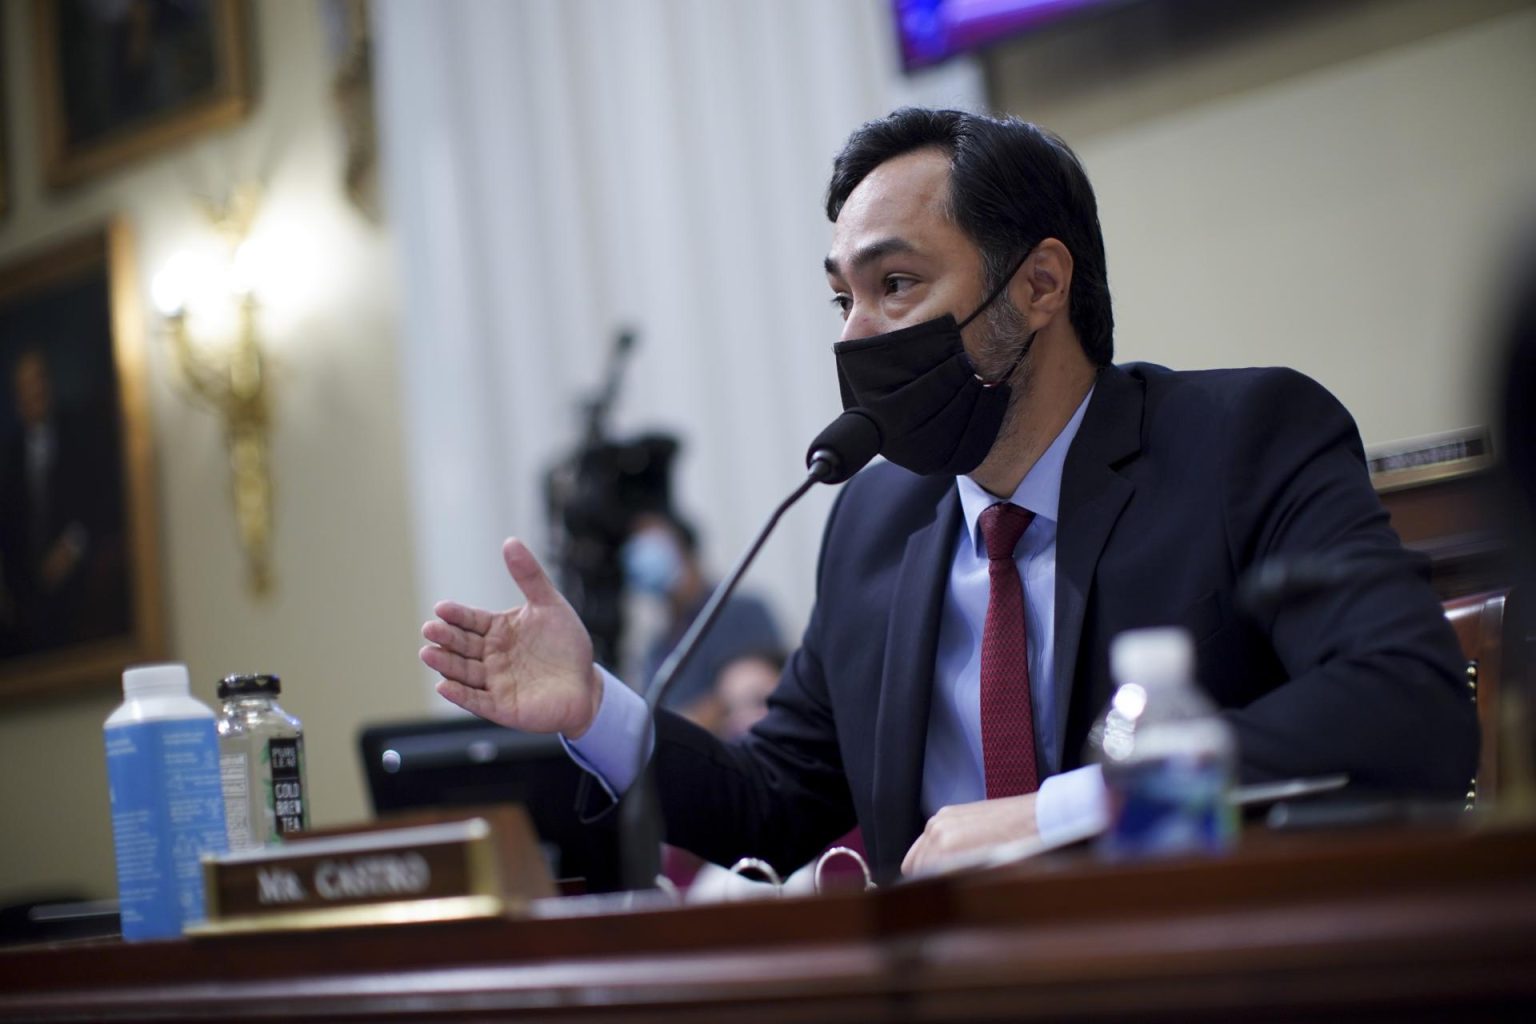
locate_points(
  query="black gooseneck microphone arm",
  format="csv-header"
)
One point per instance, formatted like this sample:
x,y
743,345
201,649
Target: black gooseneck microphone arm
x,y
838,452
1281,581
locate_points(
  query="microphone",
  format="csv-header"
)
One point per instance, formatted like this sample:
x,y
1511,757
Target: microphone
x,y
844,447
838,452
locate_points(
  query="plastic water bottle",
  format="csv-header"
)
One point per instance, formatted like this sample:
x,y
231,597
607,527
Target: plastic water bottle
x,y
167,802
261,755
1168,758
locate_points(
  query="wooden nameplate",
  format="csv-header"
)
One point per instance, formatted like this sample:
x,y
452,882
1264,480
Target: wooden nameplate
x,y
487,865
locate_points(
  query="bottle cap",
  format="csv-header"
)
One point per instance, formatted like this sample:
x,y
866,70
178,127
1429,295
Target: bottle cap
x,y
254,684
1153,657
168,680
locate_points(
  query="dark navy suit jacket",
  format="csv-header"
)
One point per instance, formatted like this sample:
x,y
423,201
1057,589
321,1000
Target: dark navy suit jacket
x,y
1176,484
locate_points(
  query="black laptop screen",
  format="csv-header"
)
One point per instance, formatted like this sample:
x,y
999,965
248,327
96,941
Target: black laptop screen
x,y
425,765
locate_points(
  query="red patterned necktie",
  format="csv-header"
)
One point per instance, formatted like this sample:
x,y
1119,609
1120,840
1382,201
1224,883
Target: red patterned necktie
x,y
1007,718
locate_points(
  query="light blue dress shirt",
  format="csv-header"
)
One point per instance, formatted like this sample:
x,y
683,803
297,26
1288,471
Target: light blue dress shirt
x,y
953,771
952,766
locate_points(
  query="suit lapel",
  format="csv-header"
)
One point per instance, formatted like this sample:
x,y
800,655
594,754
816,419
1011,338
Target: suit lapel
x,y
906,692
1093,495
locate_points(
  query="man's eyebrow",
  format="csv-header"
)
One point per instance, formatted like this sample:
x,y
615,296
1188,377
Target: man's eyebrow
x,y
868,254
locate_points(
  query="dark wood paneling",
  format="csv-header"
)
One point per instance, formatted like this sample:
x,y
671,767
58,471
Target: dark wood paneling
x,y
1458,522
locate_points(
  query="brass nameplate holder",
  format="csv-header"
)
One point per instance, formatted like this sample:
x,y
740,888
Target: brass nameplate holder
x,y
485,866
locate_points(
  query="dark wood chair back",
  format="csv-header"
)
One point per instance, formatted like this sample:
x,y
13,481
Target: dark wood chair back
x,y
1478,620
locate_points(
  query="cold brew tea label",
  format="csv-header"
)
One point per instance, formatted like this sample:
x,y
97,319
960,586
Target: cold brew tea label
x,y
286,760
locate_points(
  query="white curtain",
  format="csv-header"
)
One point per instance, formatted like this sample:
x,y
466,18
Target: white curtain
x,y
556,169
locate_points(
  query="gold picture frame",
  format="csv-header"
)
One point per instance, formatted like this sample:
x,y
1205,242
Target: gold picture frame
x,y
5,133
80,594
118,82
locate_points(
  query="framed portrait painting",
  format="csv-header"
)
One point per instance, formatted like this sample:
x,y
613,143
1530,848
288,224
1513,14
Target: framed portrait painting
x,y
119,79
79,559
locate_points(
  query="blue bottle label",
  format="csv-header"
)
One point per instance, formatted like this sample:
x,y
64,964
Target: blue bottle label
x,y
1172,805
167,810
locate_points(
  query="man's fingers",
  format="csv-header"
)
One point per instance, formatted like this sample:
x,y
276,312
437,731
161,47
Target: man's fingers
x,y
914,857
475,620
528,574
452,638
476,702
454,667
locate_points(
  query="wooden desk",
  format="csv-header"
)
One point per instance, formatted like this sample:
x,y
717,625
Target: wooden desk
x,y
1400,926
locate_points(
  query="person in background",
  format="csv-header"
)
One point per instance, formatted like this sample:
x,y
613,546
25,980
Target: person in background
x,y
661,561
1517,376
1516,387
741,701
742,689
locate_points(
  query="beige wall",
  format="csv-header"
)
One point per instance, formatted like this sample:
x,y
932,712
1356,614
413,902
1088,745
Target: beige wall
x,y
341,628
1326,186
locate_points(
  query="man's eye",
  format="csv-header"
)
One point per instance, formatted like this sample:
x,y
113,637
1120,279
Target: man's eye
x,y
895,284
842,304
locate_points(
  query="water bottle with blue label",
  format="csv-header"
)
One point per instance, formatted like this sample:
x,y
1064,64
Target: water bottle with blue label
x,y
1168,758
167,800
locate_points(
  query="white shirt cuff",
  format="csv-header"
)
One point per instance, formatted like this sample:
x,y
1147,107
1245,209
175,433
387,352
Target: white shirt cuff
x,y
610,747
1071,803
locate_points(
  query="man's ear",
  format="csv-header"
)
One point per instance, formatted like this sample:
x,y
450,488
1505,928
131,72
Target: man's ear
x,y
1043,286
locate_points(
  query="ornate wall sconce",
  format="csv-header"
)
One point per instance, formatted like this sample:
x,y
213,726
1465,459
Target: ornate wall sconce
x,y
219,363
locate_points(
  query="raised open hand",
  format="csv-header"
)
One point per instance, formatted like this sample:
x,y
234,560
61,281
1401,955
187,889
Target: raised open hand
x,y
529,668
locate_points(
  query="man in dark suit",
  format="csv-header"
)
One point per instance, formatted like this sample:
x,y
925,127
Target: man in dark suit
x,y
1037,500
60,522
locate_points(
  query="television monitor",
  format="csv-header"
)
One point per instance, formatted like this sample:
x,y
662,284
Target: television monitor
x,y
931,31
428,765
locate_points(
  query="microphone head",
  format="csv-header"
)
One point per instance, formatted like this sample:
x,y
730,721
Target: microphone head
x,y
844,447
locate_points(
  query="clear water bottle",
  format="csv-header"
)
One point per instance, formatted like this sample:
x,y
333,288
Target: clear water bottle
x,y
1168,758
167,807
261,756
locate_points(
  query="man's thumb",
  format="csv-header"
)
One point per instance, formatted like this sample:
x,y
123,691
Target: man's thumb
x,y
528,574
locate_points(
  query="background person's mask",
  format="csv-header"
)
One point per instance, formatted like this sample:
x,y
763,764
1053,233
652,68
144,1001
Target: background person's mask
x,y
652,563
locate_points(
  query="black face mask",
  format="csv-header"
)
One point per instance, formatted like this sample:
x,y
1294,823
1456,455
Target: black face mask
x,y
937,416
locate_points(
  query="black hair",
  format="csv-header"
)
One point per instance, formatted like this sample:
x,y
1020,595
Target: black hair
x,y
1012,185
